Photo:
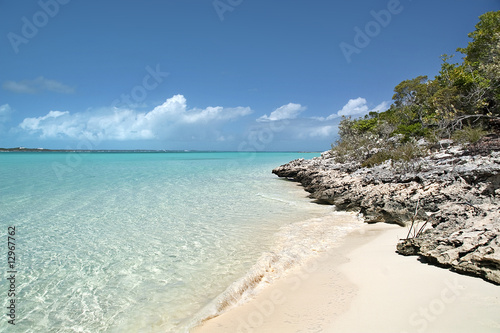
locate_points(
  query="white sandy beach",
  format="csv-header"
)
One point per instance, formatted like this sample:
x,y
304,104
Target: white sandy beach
x,y
364,286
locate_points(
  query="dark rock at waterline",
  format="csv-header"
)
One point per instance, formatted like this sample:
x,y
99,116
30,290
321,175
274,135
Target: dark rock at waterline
x,y
455,191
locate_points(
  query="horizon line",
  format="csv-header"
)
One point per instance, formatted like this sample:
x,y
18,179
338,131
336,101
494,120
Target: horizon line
x,y
23,149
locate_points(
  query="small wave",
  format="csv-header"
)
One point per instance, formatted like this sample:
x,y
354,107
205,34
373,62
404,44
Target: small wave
x,y
295,243
265,196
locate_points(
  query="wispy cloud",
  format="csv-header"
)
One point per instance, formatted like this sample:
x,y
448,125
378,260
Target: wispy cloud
x,y
384,106
327,131
5,111
289,111
38,85
168,120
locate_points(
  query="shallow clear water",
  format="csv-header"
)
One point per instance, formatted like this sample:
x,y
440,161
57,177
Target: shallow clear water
x,y
141,242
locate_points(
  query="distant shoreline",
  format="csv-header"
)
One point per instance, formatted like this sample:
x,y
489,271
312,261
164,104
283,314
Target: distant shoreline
x,y
44,150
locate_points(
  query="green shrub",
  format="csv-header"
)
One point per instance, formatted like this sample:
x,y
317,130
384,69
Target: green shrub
x,y
354,149
365,125
433,136
469,134
411,131
406,152
377,158
356,140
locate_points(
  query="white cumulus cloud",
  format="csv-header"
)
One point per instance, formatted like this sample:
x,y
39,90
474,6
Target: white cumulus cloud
x,y
166,120
288,111
354,107
37,85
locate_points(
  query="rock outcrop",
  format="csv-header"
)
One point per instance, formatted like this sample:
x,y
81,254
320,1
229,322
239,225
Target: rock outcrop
x,y
452,191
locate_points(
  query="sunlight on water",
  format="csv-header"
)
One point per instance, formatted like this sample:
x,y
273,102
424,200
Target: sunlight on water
x,y
139,242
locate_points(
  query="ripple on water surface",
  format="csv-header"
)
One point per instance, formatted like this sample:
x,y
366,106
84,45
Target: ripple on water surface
x,y
147,242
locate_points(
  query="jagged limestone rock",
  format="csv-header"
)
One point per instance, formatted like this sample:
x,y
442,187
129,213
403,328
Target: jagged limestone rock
x,y
457,192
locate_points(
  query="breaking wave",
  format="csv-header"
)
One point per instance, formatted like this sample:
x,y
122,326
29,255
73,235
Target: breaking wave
x,y
295,244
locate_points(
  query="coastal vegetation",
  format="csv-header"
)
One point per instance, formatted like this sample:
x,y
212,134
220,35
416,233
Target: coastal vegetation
x,y
461,103
431,162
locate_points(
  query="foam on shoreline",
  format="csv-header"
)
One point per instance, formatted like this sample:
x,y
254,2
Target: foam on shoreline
x,y
295,244
364,286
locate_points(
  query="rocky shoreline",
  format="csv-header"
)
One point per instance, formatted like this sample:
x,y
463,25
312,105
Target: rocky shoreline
x,y
451,197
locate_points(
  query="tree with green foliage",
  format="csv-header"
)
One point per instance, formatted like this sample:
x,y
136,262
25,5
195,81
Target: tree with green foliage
x,y
459,102
412,106
462,94
482,64
486,35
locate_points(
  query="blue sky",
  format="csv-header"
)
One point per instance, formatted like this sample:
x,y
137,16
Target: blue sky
x,y
212,75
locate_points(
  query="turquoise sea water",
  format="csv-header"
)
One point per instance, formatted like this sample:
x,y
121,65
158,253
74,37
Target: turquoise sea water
x,y
145,242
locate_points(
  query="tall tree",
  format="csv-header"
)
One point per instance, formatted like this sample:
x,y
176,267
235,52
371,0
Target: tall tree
x,y
482,65
484,39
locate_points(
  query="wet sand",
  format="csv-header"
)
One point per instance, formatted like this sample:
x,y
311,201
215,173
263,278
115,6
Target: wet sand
x,y
364,286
